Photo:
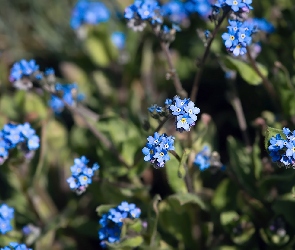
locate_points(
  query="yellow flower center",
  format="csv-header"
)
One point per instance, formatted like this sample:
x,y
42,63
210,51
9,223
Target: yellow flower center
x,y
161,154
183,120
232,38
235,2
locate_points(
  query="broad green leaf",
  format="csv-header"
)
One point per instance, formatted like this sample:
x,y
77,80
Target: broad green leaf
x,y
245,70
186,198
132,242
97,51
225,195
228,217
34,106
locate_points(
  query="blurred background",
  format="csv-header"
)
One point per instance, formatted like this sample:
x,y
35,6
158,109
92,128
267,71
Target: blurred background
x,y
119,84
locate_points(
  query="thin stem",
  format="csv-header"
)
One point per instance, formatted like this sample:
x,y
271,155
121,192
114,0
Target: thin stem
x,y
177,84
238,108
201,64
267,84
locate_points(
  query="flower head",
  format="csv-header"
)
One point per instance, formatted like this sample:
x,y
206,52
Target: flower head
x,y
81,175
112,222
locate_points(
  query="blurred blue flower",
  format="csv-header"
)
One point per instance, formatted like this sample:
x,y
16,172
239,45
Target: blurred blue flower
x,y
68,94
87,12
15,246
81,175
174,10
111,222
202,7
6,215
118,39
202,159
13,135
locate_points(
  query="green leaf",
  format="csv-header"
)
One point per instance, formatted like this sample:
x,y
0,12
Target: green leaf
x,y
34,106
228,217
256,159
97,51
245,70
188,198
224,196
270,132
103,209
132,242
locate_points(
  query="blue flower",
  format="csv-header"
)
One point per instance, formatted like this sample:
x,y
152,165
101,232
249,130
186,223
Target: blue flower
x,y
174,10
111,222
155,108
118,39
6,215
202,159
22,69
81,175
235,4
68,94
202,7
185,113
16,246
156,150
91,13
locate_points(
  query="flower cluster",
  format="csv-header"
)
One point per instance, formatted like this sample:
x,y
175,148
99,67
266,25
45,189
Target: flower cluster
x,y
23,73
15,246
81,175
112,222
283,150
6,215
69,95
175,11
202,159
184,111
86,12
262,25
202,7
238,37
141,11
235,5
21,135
156,149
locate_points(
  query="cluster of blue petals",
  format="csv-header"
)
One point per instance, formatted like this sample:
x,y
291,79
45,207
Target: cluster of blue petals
x,y
235,5
282,150
13,135
202,159
238,37
6,215
87,12
68,94
184,111
142,11
175,11
22,69
81,175
112,222
156,149
15,246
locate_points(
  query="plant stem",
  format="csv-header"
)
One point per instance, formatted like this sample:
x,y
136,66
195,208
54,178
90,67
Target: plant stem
x,y
177,84
201,64
238,108
267,84
187,177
